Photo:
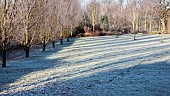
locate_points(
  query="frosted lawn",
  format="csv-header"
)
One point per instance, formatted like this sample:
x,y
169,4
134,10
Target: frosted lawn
x,y
93,66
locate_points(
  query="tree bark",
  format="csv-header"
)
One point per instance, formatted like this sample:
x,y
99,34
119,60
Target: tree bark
x,y
53,42
44,45
103,30
4,36
27,42
93,17
134,36
145,22
117,35
27,51
4,58
71,34
68,39
61,41
93,29
150,24
163,28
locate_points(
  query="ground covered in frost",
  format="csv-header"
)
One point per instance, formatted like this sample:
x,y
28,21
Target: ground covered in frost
x,y
92,66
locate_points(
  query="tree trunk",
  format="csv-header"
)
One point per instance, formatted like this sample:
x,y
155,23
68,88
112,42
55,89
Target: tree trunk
x,y
27,51
53,42
137,25
4,36
61,41
93,29
145,26
150,27
68,39
134,36
133,23
163,28
135,33
103,30
117,35
4,58
133,26
159,27
71,35
44,45
162,37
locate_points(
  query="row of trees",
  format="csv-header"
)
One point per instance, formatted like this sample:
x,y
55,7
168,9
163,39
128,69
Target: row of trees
x,y
139,15
28,22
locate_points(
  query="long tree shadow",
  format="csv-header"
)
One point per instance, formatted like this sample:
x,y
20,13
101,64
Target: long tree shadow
x,y
20,66
145,79
111,42
43,75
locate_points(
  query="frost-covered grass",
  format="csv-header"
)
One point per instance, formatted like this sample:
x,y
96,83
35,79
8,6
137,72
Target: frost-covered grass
x,y
93,66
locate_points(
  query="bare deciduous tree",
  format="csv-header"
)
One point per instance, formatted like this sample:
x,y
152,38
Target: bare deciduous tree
x,y
162,9
8,11
32,12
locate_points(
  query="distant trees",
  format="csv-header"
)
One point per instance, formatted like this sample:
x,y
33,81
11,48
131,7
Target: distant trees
x,y
70,10
144,16
93,10
54,20
104,23
74,15
92,14
134,19
162,8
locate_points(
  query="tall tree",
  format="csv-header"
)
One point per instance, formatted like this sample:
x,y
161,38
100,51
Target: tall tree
x,y
32,12
93,14
134,16
162,9
8,12
54,16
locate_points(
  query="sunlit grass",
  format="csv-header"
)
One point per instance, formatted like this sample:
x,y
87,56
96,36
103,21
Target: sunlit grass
x,y
87,62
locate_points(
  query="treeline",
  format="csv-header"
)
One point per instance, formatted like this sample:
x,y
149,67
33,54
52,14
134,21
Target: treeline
x,y
29,22
115,17
136,15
